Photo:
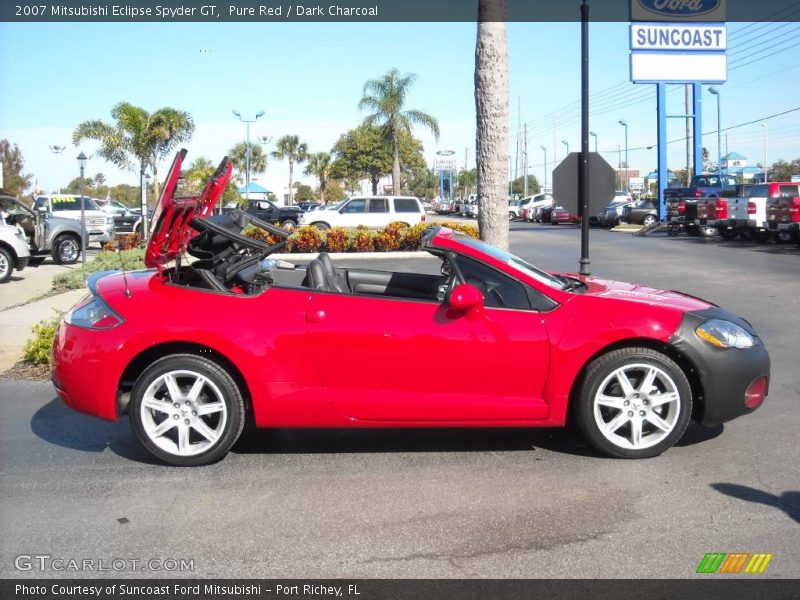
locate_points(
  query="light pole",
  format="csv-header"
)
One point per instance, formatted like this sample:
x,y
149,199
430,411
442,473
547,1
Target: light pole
x,y
715,91
594,135
82,162
566,143
627,181
545,166
56,149
247,149
766,168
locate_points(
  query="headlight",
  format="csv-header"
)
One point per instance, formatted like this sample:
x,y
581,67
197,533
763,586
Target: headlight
x,y
724,334
109,220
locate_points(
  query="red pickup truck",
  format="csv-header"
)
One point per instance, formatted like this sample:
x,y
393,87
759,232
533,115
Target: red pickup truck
x,y
783,210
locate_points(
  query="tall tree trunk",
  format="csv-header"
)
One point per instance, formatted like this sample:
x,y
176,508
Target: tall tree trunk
x,y
491,107
322,190
375,181
395,166
291,187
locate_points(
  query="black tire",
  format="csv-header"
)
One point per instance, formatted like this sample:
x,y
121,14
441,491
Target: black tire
x,y
693,230
760,237
321,226
676,413
511,216
66,249
727,233
649,221
229,429
782,237
7,263
707,231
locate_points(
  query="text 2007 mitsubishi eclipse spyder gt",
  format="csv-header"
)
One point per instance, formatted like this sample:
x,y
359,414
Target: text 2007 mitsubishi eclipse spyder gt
x,y
188,350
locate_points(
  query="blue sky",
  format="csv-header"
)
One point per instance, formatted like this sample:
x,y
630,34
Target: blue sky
x,y
308,78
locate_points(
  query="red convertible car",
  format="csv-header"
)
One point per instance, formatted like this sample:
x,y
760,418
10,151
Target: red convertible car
x,y
190,350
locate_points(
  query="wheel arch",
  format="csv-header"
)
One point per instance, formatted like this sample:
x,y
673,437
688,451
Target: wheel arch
x,y
316,223
66,233
10,249
148,356
678,357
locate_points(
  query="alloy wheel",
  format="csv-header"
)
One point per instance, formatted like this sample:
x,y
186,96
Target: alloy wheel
x,y
68,251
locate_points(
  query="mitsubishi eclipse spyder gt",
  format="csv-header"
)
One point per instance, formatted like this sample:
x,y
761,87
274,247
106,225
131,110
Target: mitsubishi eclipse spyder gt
x,y
189,350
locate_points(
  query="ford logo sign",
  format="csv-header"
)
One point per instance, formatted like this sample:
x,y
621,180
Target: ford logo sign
x,y
445,152
680,8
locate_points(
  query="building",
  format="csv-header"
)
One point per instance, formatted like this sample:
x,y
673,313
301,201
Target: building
x,y
737,164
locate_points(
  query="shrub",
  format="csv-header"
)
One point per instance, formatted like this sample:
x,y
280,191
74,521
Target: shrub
x,y
74,279
363,240
37,349
123,241
412,239
306,239
336,240
388,239
256,233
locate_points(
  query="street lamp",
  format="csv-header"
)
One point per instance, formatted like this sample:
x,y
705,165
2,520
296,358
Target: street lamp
x,y
627,181
715,91
247,149
566,143
594,135
766,168
56,149
545,165
82,163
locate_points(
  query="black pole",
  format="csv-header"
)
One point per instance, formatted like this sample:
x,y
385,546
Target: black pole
x,y
583,165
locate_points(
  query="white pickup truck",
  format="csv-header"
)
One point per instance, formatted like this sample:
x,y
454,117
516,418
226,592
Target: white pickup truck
x,y
748,214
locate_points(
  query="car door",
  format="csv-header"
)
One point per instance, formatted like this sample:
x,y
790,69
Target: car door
x,y
377,214
390,360
353,213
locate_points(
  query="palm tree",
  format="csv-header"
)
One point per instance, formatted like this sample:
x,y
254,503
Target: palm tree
x,y
138,137
491,107
319,164
289,148
386,97
200,171
238,156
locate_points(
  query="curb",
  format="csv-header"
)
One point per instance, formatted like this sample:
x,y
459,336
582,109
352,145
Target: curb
x,y
349,255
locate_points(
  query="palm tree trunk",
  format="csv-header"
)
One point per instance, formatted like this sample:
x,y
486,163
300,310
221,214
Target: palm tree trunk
x,y
395,166
491,106
291,187
374,181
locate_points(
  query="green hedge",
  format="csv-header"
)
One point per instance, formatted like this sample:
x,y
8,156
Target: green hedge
x,y
37,349
105,261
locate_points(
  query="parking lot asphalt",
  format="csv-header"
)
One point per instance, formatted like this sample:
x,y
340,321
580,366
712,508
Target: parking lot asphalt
x,y
436,503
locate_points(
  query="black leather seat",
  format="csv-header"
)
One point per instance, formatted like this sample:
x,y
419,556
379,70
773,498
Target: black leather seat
x,y
315,277
334,279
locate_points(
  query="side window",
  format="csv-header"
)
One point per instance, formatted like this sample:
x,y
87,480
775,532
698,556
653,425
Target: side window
x,y
39,203
499,290
358,205
378,205
405,205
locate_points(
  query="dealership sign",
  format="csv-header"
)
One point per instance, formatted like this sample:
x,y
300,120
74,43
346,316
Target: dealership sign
x,y
445,159
669,45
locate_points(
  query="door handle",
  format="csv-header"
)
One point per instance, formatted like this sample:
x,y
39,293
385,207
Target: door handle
x,y
315,316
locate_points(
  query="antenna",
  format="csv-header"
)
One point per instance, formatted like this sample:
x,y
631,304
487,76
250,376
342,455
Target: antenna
x,y
121,262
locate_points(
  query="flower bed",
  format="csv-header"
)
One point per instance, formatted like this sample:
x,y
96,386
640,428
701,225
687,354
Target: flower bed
x,y
392,238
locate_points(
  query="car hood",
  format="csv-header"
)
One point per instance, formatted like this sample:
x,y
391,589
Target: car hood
x,y
170,230
618,290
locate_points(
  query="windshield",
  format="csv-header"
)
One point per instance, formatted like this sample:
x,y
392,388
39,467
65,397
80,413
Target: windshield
x,y
511,260
72,203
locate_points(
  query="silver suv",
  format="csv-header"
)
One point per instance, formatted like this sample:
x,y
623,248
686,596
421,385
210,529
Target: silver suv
x,y
99,225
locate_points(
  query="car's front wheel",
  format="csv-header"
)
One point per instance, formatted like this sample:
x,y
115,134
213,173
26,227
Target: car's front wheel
x,y
321,226
633,403
186,410
6,265
289,225
66,250
649,221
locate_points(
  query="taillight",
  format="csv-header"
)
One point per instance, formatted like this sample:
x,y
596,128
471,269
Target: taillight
x,y
698,194
423,218
92,313
755,394
751,208
681,206
794,210
722,208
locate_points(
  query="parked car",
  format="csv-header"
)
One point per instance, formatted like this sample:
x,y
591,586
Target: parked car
x,y
531,207
631,364
371,211
426,205
611,214
99,225
718,211
562,215
125,219
46,236
287,217
682,202
307,206
14,253
513,209
749,214
472,208
783,212
641,212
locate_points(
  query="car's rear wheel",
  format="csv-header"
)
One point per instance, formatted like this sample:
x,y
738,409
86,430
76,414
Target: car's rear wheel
x,y
782,237
760,237
511,216
321,226
633,403
726,233
66,250
289,225
649,221
6,265
186,410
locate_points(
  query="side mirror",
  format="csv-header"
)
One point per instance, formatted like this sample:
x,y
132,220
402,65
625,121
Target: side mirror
x,y
467,300
42,210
